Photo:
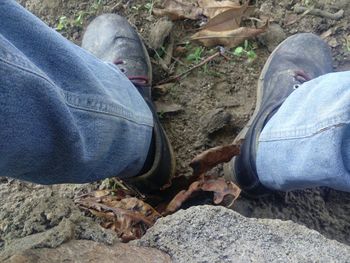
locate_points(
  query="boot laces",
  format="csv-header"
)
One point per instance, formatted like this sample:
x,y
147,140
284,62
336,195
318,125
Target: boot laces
x,y
136,80
300,76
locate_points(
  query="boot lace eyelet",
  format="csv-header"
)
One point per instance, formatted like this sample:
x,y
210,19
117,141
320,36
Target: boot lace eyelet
x,y
296,86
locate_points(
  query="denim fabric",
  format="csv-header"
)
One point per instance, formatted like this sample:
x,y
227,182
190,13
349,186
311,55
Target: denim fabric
x,y
65,116
307,142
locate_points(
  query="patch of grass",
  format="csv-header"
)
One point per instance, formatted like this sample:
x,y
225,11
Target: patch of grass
x,y
96,5
196,55
62,23
161,115
247,50
149,6
160,52
78,19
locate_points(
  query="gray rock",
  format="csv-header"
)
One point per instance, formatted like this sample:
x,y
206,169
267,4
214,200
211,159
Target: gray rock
x,y
272,37
215,120
159,32
36,216
217,234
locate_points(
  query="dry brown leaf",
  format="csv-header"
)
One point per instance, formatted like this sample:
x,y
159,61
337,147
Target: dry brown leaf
x,y
219,186
212,157
229,19
179,9
228,38
129,216
212,8
182,9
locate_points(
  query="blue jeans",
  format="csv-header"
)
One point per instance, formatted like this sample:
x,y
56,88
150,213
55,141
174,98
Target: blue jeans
x,y
307,142
65,116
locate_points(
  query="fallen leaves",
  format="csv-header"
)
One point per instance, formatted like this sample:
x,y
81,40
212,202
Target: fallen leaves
x,y
219,186
228,38
213,8
177,9
224,25
212,157
229,19
130,216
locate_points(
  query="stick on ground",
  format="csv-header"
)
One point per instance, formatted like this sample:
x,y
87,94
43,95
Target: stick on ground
x,y
318,12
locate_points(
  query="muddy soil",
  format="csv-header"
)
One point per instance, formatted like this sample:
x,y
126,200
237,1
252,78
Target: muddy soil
x,y
216,102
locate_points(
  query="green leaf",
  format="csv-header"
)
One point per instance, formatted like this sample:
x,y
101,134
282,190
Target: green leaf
x,y
251,54
238,51
62,23
191,57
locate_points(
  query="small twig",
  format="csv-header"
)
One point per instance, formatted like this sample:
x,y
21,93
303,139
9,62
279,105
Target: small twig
x,y
256,19
205,61
300,17
169,50
318,12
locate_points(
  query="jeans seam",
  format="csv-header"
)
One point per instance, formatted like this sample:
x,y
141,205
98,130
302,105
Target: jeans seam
x,y
339,119
27,70
74,101
115,110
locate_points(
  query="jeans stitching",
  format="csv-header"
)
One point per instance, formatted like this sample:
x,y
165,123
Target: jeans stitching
x,y
341,118
90,104
72,100
27,70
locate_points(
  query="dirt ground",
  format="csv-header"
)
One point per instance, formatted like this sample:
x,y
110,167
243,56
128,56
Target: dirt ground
x,y
215,101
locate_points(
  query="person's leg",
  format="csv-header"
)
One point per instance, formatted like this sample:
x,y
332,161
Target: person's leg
x,y
307,142
65,116
264,152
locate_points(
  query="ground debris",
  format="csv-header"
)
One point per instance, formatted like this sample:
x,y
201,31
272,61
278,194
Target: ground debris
x,y
228,38
212,157
178,9
159,32
219,186
130,217
164,107
318,12
224,25
129,213
214,121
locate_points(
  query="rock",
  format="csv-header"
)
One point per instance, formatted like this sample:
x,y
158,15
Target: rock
x,y
217,234
159,32
164,107
89,251
33,216
272,37
214,121
51,238
68,229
